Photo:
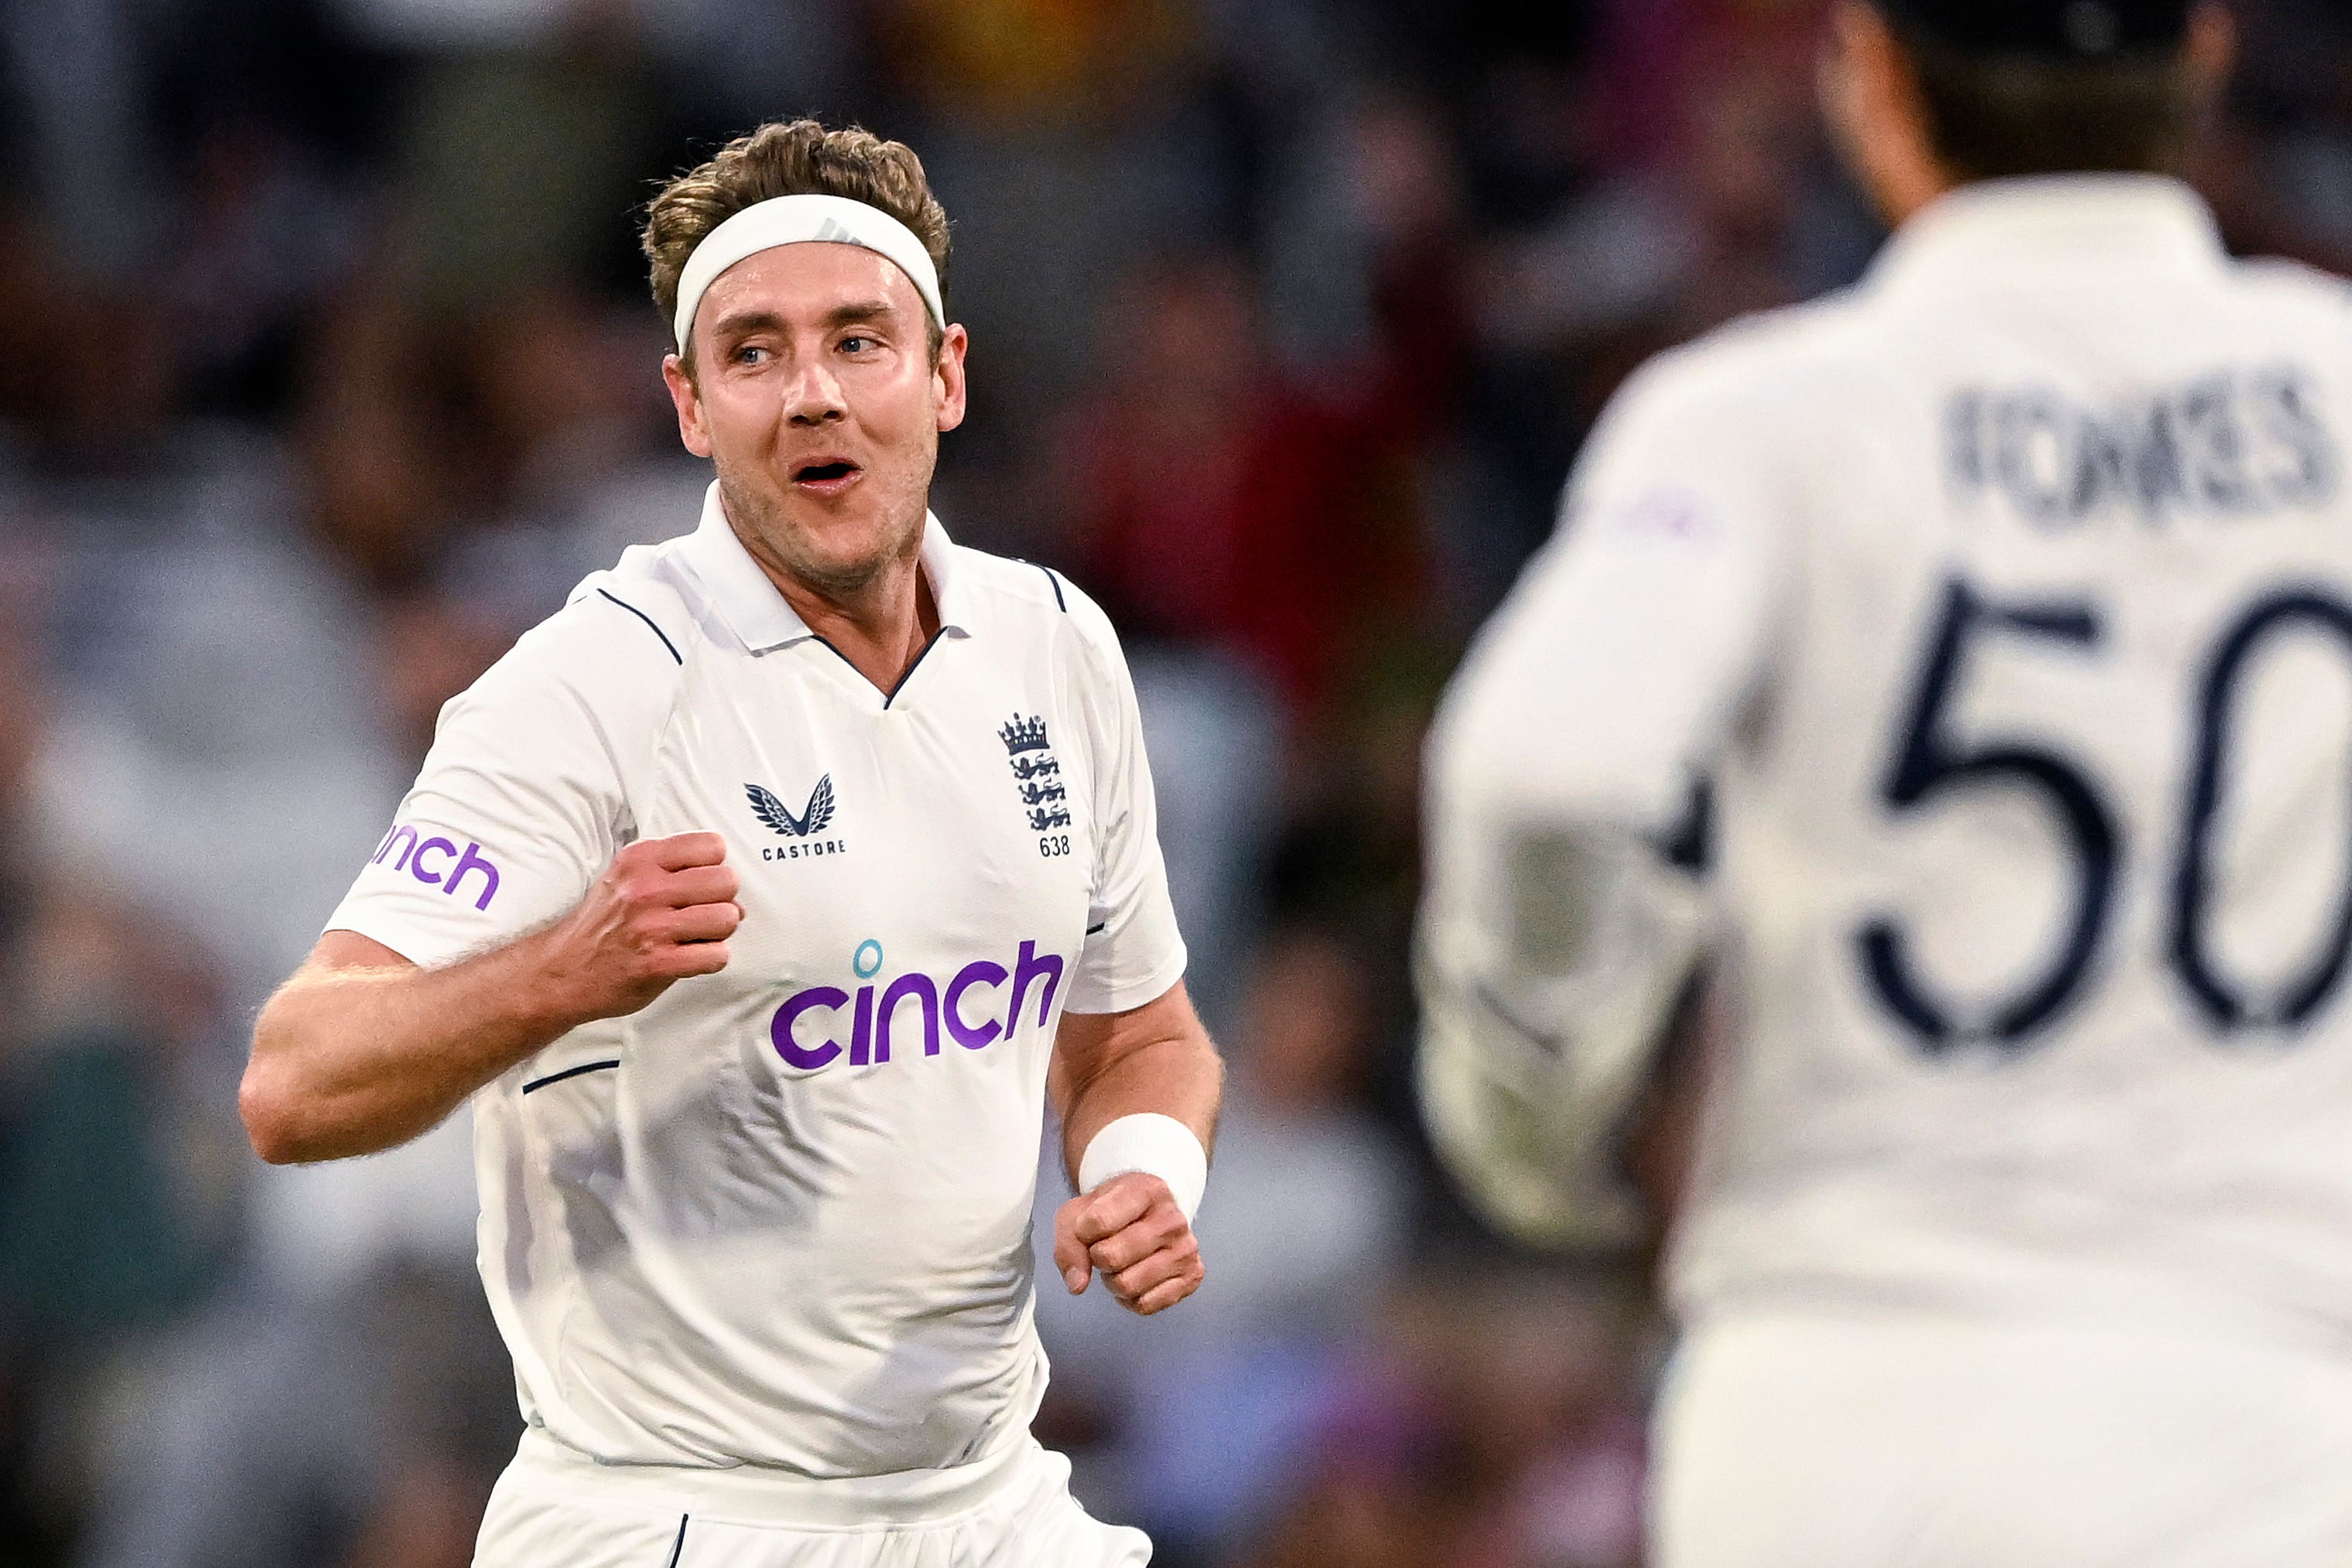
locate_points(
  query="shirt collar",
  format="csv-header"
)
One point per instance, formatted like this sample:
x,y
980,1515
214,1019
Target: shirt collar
x,y
764,619
2139,222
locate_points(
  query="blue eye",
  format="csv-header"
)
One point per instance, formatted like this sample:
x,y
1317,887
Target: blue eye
x,y
744,355
855,345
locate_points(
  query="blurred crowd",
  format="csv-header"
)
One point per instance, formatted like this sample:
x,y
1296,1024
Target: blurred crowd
x,y
327,367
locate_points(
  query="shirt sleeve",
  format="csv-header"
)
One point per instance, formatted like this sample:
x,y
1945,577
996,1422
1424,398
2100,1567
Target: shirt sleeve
x,y
1133,951
1553,940
1619,663
520,804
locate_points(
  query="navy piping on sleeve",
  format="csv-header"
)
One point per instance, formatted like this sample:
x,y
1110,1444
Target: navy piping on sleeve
x,y
679,1546
1057,581
568,1072
649,623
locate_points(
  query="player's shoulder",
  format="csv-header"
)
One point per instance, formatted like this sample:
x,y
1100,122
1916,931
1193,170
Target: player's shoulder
x,y
618,650
2297,288
1755,371
1037,599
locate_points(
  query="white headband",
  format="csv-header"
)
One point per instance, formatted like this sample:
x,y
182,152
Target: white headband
x,y
802,220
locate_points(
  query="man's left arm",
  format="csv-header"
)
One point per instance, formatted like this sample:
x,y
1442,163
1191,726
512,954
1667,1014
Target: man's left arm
x,y
1136,1092
1133,1078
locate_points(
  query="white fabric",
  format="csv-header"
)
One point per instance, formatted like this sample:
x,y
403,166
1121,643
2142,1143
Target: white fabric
x,y
788,1237
553,1508
1539,1032
1794,1441
1152,1144
803,219
2064,397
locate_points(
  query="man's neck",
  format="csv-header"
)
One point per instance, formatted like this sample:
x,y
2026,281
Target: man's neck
x,y
881,628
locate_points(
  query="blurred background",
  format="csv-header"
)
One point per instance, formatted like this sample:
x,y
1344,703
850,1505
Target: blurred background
x,y
326,368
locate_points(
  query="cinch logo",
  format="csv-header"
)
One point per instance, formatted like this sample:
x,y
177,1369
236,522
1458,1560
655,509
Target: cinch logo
x,y
412,860
950,1007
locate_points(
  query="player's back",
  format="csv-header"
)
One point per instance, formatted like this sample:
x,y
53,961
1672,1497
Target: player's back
x,y
2038,842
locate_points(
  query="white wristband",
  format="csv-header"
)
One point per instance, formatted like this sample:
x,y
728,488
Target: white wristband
x,y
1154,1145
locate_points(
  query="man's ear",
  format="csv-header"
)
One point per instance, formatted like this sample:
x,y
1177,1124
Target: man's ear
x,y
948,379
692,429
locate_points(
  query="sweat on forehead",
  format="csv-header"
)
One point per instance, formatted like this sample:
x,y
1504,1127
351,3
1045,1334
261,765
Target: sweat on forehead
x,y
805,219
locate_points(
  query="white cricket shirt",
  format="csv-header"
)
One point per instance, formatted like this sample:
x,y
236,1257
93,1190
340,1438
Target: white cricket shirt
x,y
2008,600
780,1217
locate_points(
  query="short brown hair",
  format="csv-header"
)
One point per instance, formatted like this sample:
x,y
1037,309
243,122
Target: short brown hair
x,y
790,158
1997,118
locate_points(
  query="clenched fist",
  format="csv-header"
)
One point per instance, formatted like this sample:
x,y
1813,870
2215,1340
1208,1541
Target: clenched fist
x,y
363,1050
1129,1228
662,911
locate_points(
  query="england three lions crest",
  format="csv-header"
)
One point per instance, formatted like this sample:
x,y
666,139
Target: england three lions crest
x,y
1037,777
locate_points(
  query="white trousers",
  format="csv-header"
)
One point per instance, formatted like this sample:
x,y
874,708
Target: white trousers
x,y
1802,1442
554,1509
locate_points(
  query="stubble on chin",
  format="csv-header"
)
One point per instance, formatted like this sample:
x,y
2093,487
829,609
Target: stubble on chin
x,y
775,537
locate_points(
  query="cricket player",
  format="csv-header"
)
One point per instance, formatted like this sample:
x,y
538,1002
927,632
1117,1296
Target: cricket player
x,y
2006,601
760,900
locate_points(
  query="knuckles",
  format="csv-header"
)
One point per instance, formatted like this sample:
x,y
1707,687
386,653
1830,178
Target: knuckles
x,y
1122,1254
1149,1263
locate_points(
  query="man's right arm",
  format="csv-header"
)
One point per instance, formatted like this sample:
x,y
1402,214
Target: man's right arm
x,y
506,906
363,1050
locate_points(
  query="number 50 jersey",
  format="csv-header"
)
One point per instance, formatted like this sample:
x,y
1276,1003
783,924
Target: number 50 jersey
x,y
2007,598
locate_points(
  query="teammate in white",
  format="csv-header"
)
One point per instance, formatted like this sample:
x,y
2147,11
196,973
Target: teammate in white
x,y
2006,599
760,899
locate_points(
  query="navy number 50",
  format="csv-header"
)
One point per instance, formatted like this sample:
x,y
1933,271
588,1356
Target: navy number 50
x,y
1929,762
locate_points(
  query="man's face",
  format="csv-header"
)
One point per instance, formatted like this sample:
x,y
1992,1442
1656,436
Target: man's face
x,y
815,394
